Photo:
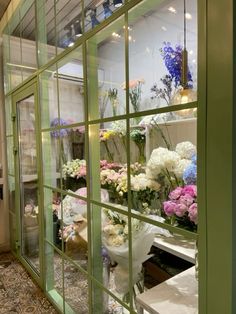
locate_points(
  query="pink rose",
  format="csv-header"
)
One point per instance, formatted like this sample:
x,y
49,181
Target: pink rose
x,y
180,210
193,214
175,194
82,171
169,208
186,199
191,190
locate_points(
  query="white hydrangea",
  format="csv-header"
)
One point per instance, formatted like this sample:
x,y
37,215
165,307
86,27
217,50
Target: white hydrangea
x,y
181,166
161,159
141,182
185,150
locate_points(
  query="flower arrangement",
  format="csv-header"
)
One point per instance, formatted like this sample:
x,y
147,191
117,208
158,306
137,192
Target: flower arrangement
x,y
173,62
113,97
74,169
138,135
135,91
115,240
167,166
190,173
59,135
163,93
181,208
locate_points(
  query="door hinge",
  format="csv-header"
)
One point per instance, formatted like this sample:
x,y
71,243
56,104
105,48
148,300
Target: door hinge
x,y
17,244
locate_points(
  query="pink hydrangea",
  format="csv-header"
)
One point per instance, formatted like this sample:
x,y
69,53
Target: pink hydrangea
x,y
192,213
176,193
169,208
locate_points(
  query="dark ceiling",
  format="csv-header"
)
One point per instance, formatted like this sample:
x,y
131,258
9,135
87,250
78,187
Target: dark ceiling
x,y
3,6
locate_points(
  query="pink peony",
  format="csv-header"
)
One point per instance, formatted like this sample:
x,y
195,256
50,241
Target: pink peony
x,y
175,194
192,213
169,208
180,210
190,189
186,199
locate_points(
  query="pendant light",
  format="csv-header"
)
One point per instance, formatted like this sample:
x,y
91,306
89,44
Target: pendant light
x,y
117,3
185,94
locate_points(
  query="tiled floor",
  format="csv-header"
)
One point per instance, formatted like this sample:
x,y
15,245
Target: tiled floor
x,y
18,293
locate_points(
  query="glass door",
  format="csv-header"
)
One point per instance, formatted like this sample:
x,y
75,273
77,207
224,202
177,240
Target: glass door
x,y
27,190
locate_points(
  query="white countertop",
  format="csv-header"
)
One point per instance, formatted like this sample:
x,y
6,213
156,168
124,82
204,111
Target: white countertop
x,y
177,246
178,295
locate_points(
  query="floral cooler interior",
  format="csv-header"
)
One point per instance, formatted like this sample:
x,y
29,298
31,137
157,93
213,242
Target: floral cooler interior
x,y
123,173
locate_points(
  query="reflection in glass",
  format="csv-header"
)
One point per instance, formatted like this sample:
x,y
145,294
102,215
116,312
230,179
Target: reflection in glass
x,y
160,40
75,288
28,180
106,65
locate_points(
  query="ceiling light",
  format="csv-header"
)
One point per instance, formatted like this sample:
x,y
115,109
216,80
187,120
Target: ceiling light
x,y
117,3
172,10
164,28
188,16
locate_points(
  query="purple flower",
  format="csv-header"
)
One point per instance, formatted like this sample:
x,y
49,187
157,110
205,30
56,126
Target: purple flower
x,y
180,210
173,62
59,133
193,213
169,208
176,193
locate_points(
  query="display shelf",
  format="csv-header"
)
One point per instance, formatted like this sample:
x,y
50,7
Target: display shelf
x,y
177,246
178,295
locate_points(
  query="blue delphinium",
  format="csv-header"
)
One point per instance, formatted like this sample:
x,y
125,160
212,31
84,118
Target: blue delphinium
x,y
61,132
190,173
173,62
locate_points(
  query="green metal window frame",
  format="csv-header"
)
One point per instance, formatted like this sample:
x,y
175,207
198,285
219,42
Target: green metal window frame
x,y
211,94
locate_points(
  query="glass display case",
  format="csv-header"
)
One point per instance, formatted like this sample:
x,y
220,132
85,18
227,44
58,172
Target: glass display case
x,y
106,158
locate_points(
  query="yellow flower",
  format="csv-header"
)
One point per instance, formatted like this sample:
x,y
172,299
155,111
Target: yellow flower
x,y
108,134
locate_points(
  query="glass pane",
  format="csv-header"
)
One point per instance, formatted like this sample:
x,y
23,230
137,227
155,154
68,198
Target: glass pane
x,y
166,148
75,289
51,159
28,180
8,115
157,40
73,213
53,217
68,17
6,60
54,275
28,43
106,70
71,88
46,31
15,59
10,155
113,166
13,234
115,253
11,186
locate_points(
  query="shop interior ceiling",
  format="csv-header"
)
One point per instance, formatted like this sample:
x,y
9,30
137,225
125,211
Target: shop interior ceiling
x,y
3,6
69,11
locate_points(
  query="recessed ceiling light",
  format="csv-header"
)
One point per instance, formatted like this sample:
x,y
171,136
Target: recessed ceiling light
x,y
172,10
191,52
194,61
164,28
71,44
188,16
